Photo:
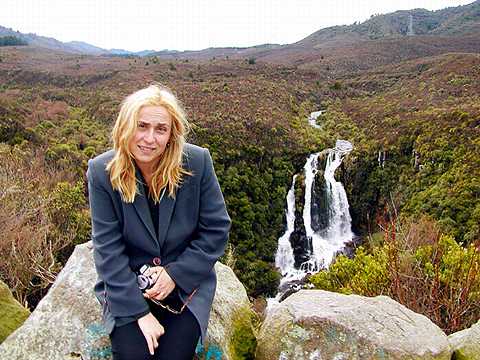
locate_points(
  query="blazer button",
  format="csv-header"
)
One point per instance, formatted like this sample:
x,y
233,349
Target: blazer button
x,y
157,261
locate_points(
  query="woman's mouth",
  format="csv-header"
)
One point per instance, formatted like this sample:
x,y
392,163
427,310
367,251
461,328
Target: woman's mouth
x,y
146,149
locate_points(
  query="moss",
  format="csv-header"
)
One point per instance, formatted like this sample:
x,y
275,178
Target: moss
x,y
457,355
12,314
243,342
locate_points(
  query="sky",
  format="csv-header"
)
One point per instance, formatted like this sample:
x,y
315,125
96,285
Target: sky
x,y
193,25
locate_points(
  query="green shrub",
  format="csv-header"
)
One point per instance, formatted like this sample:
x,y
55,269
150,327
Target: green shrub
x,y
421,268
365,274
243,341
67,211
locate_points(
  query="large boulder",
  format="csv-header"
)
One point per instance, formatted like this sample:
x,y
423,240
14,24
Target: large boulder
x,y
466,343
230,329
316,324
67,322
12,313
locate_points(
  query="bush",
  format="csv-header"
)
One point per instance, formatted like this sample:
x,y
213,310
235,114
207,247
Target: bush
x,y
418,266
243,342
67,212
41,221
259,277
365,274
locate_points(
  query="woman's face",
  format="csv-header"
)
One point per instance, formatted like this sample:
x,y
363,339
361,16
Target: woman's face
x,y
151,136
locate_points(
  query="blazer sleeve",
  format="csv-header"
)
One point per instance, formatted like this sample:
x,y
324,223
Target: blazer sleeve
x,y
199,257
122,295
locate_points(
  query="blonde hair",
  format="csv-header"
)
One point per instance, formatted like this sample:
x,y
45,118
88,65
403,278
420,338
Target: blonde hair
x,y
169,172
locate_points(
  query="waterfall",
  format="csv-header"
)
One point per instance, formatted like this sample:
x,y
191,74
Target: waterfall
x,y
327,239
312,120
381,158
284,259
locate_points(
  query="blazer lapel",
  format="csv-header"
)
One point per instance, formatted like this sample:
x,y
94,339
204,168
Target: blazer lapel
x,y
141,206
165,212
167,204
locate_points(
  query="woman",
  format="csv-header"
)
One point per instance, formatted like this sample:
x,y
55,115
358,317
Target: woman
x,y
155,200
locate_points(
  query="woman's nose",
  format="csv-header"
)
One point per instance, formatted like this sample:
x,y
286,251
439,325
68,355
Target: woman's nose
x,y
149,136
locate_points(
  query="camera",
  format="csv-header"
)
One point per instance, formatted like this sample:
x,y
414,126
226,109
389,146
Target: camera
x,y
144,282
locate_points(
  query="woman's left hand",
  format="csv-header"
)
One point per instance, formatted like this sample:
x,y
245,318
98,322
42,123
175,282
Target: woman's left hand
x,y
164,284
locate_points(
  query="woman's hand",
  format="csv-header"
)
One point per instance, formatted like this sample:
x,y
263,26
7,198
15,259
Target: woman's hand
x,y
164,284
151,330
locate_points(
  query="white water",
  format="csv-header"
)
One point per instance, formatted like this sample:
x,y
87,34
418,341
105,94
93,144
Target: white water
x,y
327,242
284,258
332,239
312,120
381,158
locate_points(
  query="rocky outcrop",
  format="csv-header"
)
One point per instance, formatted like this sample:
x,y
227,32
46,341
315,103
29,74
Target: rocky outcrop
x,y
316,324
310,324
67,322
466,343
230,319
12,313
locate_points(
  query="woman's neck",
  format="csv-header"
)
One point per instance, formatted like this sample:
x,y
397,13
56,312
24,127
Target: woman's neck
x,y
147,171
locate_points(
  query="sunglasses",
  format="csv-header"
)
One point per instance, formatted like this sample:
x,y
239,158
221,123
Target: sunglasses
x,y
170,309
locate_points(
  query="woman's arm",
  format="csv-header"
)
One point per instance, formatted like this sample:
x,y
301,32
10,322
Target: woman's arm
x,y
197,260
122,294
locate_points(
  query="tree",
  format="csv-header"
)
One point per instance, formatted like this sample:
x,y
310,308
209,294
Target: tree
x,y
12,41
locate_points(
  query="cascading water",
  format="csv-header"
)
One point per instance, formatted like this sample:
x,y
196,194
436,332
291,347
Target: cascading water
x,y
324,240
284,259
312,120
329,240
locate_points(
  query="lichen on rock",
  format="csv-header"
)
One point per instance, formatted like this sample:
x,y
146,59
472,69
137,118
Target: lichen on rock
x,y
466,343
315,324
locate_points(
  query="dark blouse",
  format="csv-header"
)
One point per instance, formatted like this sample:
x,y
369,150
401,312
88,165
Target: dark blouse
x,y
153,208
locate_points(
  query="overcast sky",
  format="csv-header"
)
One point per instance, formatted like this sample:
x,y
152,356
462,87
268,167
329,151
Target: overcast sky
x,y
192,25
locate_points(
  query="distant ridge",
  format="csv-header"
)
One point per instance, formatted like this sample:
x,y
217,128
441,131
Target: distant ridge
x,y
380,40
458,20
453,22
83,47
76,47
45,42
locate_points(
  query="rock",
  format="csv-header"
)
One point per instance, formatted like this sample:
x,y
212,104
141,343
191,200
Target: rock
x,y
230,319
316,324
466,343
12,313
67,322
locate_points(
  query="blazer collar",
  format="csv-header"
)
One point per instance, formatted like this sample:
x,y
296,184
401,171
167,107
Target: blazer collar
x,y
165,210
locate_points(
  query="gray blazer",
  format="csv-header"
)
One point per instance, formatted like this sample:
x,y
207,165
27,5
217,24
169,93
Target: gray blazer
x,y
192,234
